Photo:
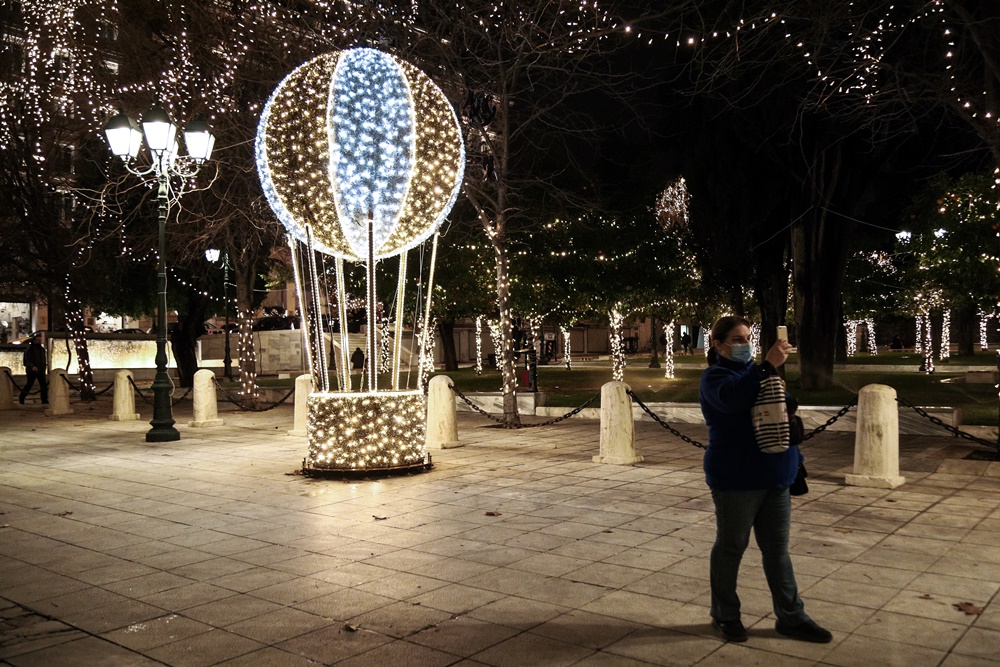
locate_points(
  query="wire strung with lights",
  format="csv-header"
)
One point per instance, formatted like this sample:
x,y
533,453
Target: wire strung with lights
x,y
668,350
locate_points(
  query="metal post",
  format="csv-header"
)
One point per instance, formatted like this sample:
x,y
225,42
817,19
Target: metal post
x,y
228,360
163,422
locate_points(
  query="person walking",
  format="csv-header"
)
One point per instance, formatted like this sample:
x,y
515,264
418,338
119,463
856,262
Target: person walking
x,y
35,361
749,486
686,343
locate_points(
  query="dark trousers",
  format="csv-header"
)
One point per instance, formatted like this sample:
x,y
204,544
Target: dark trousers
x,y
768,513
43,385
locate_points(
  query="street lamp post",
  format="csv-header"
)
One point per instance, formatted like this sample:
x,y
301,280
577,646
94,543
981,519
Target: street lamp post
x,y
125,140
212,255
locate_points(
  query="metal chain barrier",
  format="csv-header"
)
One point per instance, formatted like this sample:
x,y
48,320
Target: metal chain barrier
x,y
662,423
139,391
79,387
520,426
250,407
177,400
958,433
831,421
149,401
14,382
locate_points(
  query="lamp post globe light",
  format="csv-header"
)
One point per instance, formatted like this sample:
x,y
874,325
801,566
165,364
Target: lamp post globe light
x,y
212,255
125,139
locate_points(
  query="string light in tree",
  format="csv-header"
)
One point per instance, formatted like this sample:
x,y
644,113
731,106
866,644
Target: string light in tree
x,y
852,336
983,325
617,346
668,350
872,344
672,204
755,336
918,345
945,351
567,347
928,345
479,345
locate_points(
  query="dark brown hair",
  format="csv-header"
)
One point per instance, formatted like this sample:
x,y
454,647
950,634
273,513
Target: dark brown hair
x,y
721,330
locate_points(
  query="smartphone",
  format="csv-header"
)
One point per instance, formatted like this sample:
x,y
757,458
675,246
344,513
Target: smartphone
x,y
783,333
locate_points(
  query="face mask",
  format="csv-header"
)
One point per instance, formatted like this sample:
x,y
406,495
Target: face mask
x,y
741,352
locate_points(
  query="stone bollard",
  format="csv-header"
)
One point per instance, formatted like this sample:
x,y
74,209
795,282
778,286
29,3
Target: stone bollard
x,y
124,410
6,389
876,440
58,393
206,406
617,427
303,387
442,426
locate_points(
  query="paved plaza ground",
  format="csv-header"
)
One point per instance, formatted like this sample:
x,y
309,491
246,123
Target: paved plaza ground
x,y
515,550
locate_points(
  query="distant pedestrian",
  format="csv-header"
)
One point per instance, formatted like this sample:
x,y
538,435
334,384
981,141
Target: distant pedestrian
x,y
35,362
358,359
686,343
897,343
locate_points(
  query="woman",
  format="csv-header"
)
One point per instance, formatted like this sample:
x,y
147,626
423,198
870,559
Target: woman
x,y
749,487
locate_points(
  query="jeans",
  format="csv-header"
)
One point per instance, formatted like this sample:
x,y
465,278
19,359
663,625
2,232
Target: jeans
x,y
768,512
42,384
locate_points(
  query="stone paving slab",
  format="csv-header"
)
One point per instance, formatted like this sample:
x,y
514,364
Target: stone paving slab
x,y
516,549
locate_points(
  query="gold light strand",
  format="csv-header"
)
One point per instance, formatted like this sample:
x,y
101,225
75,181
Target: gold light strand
x,y
872,343
567,347
323,369
247,354
928,344
945,351
983,323
293,246
852,337
617,346
668,350
345,353
397,350
424,350
479,345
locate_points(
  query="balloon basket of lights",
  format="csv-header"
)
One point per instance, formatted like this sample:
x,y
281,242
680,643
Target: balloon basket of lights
x,y
351,432
360,156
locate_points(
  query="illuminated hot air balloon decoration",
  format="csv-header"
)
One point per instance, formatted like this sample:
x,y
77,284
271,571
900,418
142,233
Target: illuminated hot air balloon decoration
x,y
361,158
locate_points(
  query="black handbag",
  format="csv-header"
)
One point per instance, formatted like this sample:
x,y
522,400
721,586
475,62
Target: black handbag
x,y
796,436
799,486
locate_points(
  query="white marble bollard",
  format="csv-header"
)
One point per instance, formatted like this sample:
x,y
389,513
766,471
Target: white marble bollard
x,y
442,426
206,405
617,427
876,440
58,393
303,387
124,410
6,389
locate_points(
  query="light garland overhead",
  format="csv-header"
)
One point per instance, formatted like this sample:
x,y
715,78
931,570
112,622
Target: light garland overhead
x,y
356,135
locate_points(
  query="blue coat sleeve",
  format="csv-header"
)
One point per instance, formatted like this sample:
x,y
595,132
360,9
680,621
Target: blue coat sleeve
x,y
729,392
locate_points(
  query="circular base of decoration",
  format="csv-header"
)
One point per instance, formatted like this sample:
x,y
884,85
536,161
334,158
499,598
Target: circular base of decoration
x,y
361,434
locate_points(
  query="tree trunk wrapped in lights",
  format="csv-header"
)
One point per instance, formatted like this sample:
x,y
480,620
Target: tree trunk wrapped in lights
x,y
361,157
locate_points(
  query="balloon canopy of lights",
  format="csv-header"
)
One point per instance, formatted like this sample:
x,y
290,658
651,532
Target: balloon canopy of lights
x,y
361,158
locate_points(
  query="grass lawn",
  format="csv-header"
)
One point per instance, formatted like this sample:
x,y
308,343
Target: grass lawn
x,y
570,388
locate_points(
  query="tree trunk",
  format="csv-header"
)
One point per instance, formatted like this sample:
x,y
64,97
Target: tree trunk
x,y
447,330
966,321
654,358
184,340
75,330
247,361
820,256
772,293
505,355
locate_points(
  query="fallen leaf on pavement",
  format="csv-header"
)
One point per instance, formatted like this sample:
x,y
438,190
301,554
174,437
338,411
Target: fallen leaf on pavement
x,y
494,514
969,608
925,596
379,518
350,628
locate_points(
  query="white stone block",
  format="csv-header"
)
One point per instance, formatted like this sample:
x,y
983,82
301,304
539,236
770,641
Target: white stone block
x,y
876,441
617,427
206,406
442,425
303,387
58,393
124,410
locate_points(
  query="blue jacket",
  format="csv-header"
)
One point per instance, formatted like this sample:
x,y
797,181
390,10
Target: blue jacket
x,y
733,462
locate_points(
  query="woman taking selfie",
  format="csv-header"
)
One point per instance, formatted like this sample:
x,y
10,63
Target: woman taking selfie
x,y
749,485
